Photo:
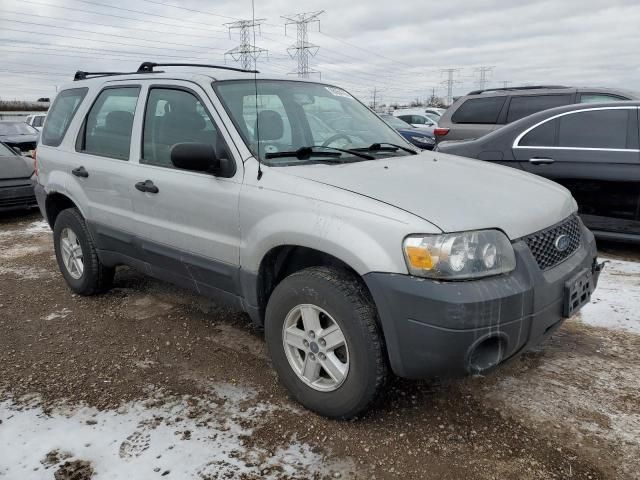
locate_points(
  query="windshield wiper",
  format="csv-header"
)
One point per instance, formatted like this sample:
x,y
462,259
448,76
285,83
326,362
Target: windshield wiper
x,y
379,147
305,153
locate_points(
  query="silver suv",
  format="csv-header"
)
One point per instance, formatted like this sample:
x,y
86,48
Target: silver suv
x,y
483,111
292,201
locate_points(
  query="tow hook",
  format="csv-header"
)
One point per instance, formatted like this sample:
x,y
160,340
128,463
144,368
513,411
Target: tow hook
x,y
598,267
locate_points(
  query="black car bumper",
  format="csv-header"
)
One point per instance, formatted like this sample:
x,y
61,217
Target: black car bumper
x,y
449,329
16,196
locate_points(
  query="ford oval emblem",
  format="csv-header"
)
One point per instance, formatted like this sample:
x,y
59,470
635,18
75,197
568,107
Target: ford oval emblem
x,y
562,243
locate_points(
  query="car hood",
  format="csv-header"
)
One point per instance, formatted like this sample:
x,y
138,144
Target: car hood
x,y
13,166
453,193
13,139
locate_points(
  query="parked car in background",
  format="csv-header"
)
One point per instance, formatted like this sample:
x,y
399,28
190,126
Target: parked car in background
x,y
36,120
433,116
435,111
358,261
592,150
419,138
416,118
483,111
19,134
16,188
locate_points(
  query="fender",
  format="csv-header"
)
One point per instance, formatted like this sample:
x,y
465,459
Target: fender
x,y
345,240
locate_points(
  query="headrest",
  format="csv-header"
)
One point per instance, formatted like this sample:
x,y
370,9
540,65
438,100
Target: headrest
x,y
270,125
119,121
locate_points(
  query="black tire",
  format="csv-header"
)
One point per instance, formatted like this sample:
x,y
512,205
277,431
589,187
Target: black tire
x,y
343,296
95,278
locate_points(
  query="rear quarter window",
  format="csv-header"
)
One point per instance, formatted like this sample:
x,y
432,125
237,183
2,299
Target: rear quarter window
x,y
60,115
526,105
479,110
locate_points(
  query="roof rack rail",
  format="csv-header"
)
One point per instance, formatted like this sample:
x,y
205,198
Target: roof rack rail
x,y
506,89
80,75
147,67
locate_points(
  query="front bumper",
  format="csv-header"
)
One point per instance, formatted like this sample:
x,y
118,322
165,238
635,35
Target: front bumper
x,y
449,329
16,196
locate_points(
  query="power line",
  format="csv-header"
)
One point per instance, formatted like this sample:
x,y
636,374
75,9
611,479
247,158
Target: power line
x,y
86,22
246,53
190,9
302,49
114,35
86,39
38,47
105,5
102,14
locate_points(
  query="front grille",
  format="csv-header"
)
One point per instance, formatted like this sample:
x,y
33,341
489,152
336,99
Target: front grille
x,y
543,243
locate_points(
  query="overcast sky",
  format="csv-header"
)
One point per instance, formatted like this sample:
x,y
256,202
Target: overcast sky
x,y
397,47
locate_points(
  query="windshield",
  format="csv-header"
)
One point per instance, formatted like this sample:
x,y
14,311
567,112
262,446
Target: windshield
x,y
396,122
16,128
289,115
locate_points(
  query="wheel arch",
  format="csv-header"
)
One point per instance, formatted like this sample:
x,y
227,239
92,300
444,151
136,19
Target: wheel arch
x,y
55,203
283,260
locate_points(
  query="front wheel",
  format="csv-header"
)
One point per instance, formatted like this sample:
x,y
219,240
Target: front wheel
x,y
324,341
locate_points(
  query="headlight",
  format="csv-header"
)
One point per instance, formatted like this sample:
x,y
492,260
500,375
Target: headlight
x,y
428,140
459,256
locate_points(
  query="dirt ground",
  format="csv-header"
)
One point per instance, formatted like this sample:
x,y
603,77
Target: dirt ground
x,y
570,409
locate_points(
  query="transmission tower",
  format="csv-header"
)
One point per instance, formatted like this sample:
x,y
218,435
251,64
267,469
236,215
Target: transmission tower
x,y
246,53
450,82
484,76
302,49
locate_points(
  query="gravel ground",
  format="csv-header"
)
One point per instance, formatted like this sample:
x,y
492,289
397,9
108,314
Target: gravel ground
x,y
149,381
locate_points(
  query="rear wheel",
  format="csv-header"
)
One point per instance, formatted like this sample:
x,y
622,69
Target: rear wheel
x,y
324,341
77,255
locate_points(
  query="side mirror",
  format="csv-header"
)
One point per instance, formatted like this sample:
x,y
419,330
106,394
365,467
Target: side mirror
x,y
17,150
197,157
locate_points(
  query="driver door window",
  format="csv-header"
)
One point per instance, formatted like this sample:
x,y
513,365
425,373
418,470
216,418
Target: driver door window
x,y
176,116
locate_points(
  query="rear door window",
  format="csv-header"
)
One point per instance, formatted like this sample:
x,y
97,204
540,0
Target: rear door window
x,y
107,129
595,129
479,110
599,97
60,115
526,105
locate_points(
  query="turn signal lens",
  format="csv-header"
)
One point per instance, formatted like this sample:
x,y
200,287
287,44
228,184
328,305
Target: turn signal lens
x,y
420,258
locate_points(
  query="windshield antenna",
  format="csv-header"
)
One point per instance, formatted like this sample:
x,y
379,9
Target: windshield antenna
x,y
255,84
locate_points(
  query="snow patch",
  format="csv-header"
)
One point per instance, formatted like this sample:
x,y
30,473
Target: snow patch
x,y
34,228
616,302
57,314
189,437
22,251
26,273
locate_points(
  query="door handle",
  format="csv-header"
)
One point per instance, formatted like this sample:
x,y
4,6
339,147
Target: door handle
x,y
541,160
80,172
147,186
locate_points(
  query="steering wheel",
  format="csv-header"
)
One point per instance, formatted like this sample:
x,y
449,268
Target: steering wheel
x,y
335,137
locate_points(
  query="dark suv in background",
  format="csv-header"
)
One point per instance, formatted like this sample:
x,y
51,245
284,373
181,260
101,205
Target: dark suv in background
x,y
483,111
592,150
